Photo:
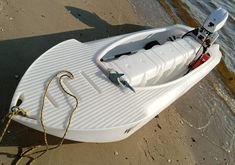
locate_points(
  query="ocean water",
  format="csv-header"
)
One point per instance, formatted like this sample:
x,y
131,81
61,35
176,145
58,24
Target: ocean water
x,y
214,101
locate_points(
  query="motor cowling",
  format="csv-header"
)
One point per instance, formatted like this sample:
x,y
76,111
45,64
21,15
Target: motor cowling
x,y
216,20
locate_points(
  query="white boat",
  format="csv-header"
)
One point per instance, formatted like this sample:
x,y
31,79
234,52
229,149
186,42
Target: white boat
x,y
121,82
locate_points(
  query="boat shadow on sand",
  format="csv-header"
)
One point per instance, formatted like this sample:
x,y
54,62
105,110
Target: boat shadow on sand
x,y
18,54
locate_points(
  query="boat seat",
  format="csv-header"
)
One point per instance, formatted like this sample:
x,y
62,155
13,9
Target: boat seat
x,y
151,64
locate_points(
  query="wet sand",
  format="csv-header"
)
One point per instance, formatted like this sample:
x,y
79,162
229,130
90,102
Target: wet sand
x,y
184,133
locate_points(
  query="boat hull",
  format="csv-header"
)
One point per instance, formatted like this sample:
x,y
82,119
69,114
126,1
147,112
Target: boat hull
x,y
106,113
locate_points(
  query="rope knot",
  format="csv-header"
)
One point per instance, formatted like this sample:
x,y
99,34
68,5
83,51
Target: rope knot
x,y
16,110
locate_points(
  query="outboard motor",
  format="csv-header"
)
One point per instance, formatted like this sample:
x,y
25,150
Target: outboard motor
x,y
207,33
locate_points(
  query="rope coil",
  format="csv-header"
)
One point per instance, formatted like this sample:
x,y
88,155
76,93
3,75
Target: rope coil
x,y
15,110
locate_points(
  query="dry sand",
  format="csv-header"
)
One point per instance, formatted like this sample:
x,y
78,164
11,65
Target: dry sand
x,y
28,28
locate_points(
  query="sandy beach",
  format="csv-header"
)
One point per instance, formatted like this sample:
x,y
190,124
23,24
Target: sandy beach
x,y
184,133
